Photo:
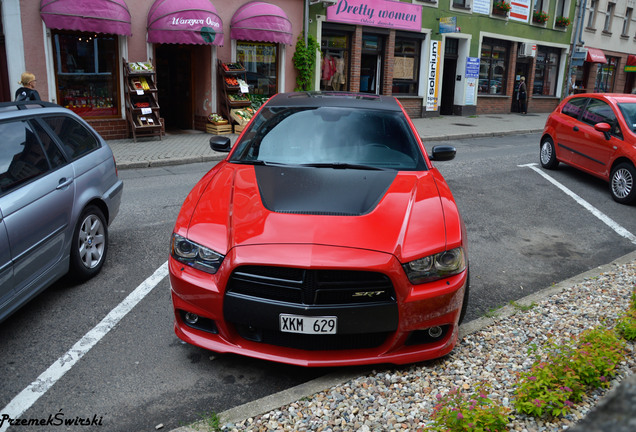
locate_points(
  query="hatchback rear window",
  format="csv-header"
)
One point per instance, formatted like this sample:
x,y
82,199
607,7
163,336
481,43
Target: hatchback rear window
x,y
76,139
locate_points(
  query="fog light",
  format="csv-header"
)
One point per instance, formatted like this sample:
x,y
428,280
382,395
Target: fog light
x,y
435,332
191,318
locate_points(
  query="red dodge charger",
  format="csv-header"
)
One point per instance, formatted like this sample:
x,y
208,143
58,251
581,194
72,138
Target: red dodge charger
x,y
325,238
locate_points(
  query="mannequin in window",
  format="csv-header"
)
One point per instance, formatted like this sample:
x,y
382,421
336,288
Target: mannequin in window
x,y
338,78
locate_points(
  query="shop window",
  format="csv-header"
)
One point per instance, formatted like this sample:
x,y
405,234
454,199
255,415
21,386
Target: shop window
x,y
541,5
334,48
87,73
605,75
546,71
493,65
260,60
406,66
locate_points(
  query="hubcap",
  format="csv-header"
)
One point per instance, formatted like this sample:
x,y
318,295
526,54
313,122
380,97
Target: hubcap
x,y
91,241
622,183
546,153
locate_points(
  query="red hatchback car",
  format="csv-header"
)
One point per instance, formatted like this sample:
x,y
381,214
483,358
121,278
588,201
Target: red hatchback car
x,y
325,238
595,133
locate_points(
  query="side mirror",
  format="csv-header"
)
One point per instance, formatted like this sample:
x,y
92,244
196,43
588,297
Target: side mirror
x,y
443,153
605,128
220,143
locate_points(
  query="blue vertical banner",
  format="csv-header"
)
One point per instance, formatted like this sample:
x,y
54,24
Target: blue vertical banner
x,y
472,74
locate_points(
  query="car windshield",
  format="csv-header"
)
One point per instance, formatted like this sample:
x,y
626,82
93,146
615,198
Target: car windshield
x,y
629,112
330,137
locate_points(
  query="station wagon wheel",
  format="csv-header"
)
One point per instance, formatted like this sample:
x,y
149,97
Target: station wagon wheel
x,y
90,244
547,154
622,183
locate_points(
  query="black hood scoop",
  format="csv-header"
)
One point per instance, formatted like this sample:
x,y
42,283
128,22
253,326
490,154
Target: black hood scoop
x,y
321,191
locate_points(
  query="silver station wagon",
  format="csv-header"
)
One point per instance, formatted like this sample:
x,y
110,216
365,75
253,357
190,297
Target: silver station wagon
x,y
59,192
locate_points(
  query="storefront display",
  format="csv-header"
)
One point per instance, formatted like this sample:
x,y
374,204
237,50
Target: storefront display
x,y
492,67
333,68
85,69
142,108
260,62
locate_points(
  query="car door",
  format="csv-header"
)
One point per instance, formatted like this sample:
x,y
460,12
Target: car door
x,y
6,266
596,148
37,203
566,127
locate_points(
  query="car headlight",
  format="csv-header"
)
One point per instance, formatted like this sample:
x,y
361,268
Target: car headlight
x,y
195,255
438,266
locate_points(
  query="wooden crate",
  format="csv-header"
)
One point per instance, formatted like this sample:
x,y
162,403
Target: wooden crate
x,y
218,129
239,128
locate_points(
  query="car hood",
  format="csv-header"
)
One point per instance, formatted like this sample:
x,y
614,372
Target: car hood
x,y
400,213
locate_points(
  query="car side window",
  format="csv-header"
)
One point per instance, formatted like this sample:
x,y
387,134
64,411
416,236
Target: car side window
x,y
76,139
22,158
574,107
598,111
54,154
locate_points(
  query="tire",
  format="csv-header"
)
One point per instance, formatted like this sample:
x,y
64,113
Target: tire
x,y
90,244
547,154
622,183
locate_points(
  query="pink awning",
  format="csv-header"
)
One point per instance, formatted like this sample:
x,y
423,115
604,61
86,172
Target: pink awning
x,y
595,56
193,22
260,21
98,16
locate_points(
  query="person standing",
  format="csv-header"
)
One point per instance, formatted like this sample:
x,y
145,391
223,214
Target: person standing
x,y
27,91
522,96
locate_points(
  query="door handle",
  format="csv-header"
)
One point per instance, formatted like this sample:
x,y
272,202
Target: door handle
x,y
576,128
64,182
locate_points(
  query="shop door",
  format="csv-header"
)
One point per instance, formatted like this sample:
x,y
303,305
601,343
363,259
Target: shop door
x,y
451,47
371,64
174,86
521,70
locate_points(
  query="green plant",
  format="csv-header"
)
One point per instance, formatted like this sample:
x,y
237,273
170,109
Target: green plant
x,y
257,100
540,17
457,412
626,325
551,386
521,307
562,21
501,6
212,421
305,62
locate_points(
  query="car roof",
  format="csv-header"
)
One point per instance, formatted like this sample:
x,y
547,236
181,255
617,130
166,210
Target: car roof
x,y
616,97
22,108
334,99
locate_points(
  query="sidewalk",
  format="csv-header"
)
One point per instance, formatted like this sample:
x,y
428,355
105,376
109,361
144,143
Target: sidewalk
x,y
193,146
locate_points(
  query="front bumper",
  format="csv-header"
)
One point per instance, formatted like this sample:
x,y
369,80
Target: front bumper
x,y
387,326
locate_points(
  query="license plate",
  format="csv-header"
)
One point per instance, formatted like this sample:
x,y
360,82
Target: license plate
x,y
307,324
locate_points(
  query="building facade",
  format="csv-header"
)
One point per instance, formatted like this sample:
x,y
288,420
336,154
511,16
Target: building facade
x,y
78,49
439,57
604,54
467,57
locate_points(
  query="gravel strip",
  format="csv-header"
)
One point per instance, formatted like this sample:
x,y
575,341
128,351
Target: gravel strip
x,y
403,398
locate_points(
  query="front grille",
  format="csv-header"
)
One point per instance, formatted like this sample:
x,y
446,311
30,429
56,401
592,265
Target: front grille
x,y
311,287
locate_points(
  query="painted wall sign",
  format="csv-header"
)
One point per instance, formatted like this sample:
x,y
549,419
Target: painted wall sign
x,y
377,13
433,77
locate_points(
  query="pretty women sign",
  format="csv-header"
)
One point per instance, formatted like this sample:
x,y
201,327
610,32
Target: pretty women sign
x,y
377,13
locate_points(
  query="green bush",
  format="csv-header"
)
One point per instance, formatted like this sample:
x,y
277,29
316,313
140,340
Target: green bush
x,y
456,412
626,325
552,386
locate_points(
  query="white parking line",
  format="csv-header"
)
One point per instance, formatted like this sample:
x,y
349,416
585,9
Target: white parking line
x,y
27,397
596,212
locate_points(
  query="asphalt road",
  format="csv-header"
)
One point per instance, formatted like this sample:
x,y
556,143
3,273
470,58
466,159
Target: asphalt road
x,y
524,234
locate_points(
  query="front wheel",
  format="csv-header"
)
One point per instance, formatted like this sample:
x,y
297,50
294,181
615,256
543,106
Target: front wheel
x,y
90,244
622,183
547,154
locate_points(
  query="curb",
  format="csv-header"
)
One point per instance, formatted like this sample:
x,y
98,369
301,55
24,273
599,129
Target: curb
x,y
285,397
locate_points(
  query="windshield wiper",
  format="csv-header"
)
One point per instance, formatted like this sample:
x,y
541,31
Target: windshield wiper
x,y
341,165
